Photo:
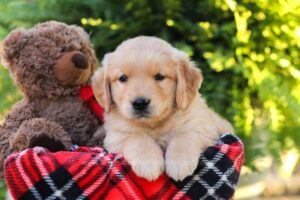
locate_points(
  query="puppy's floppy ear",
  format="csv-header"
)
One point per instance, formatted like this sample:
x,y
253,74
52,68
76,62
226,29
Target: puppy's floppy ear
x,y
13,44
101,87
189,79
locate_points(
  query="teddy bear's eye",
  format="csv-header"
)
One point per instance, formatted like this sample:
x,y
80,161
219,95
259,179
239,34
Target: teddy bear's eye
x,y
63,49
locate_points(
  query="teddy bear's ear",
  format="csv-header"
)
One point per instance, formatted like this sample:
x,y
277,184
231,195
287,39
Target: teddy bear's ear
x,y
12,45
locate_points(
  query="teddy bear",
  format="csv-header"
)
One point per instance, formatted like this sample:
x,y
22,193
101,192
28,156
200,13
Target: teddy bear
x,y
49,63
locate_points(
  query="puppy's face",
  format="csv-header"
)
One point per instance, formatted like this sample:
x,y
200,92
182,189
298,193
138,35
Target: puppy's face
x,y
143,88
145,80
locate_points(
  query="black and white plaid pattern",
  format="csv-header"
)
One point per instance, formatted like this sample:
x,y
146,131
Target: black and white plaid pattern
x,y
54,187
215,176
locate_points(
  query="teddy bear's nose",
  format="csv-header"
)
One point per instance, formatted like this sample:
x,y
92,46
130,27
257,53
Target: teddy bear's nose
x,y
80,60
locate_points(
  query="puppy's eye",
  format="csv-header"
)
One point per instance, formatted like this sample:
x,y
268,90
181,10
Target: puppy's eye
x,y
159,77
123,78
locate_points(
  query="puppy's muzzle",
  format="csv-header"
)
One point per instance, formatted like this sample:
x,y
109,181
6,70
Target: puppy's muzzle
x,y
140,104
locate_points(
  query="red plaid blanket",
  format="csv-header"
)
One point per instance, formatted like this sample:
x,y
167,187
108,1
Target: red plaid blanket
x,y
93,173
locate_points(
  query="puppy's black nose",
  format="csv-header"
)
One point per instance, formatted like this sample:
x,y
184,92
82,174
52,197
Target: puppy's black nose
x,y
80,60
140,103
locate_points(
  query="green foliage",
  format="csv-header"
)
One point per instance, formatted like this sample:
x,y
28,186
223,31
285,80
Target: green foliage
x,y
2,190
248,51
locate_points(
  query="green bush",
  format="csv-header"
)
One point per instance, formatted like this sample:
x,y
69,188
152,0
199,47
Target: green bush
x,y
248,52
2,190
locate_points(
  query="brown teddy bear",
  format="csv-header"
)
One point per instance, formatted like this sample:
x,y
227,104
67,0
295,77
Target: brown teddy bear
x,y
49,63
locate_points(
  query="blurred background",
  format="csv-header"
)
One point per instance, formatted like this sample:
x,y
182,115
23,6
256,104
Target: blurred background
x,y
248,51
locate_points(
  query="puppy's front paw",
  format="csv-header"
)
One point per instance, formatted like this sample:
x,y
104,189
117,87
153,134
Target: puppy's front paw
x,y
180,164
148,165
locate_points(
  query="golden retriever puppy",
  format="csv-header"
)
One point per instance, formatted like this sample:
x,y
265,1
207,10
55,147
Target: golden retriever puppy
x,y
154,114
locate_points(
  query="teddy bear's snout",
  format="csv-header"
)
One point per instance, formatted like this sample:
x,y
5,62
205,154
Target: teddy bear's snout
x,y
73,68
80,60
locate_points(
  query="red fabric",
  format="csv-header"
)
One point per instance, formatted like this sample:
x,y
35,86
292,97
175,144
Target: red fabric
x,y
93,173
93,179
87,96
233,151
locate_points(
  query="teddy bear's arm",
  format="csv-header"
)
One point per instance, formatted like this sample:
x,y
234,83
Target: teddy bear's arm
x,y
40,132
21,111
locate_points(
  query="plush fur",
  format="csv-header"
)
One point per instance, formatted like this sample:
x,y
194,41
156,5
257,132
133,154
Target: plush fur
x,y
49,63
176,126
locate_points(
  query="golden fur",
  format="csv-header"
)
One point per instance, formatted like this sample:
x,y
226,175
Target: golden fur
x,y
179,121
